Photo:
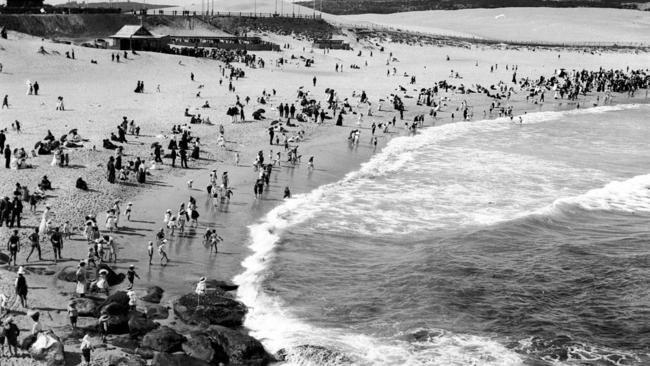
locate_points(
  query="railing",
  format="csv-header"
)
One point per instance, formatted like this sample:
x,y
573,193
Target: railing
x,y
210,13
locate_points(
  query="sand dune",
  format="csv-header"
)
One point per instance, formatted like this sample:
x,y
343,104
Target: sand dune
x,y
523,24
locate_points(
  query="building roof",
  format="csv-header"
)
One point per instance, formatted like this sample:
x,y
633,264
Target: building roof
x,y
134,31
199,33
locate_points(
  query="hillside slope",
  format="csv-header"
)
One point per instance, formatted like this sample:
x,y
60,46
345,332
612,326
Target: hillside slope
x,y
86,26
341,7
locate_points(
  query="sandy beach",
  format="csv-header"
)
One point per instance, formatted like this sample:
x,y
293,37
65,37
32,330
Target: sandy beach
x,y
98,95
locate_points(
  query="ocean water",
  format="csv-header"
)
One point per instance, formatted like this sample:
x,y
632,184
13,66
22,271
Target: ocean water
x,y
478,243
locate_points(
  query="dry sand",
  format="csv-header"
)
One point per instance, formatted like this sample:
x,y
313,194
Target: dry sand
x,y
522,24
98,95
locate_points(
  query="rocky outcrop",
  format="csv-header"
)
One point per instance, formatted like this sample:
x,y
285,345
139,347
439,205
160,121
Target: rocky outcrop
x,y
115,304
126,342
140,324
154,294
117,324
67,274
199,345
237,347
214,309
116,357
157,312
146,353
163,339
48,349
86,306
166,359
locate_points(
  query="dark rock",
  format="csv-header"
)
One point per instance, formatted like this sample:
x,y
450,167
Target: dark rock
x,y
117,324
48,348
163,339
67,274
157,312
75,334
154,294
27,342
146,353
112,277
4,258
239,348
86,306
199,345
214,309
166,359
223,285
140,324
115,304
126,342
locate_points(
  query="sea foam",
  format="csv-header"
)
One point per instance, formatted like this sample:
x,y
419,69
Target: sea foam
x,y
273,323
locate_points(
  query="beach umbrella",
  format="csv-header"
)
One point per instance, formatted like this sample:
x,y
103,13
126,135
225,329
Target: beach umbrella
x,y
73,131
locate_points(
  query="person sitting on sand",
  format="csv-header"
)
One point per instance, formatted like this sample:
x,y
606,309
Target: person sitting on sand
x,y
81,184
45,184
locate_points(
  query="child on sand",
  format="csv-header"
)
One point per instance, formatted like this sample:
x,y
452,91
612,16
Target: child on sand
x,y
86,347
73,314
127,212
131,275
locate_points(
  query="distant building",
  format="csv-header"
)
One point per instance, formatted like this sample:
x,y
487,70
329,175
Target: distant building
x,y
137,37
24,3
332,44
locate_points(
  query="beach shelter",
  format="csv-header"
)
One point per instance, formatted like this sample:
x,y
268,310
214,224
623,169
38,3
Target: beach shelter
x,y
137,37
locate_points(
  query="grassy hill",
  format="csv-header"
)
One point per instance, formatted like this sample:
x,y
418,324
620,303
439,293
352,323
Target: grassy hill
x,y
342,7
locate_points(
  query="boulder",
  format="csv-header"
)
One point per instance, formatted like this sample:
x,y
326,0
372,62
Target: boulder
x,y
154,294
115,304
223,285
4,258
157,312
67,274
163,339
180,359
48,349
237,347
116,357
146,353
199,345
125,341
75,335
214,309
86,306
140,324
117,324
112,277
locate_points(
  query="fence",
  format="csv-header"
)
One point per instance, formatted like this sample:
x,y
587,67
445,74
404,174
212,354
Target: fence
x,y
242,14
489,41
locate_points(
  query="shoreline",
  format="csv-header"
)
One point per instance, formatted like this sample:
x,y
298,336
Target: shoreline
x,y
333,161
